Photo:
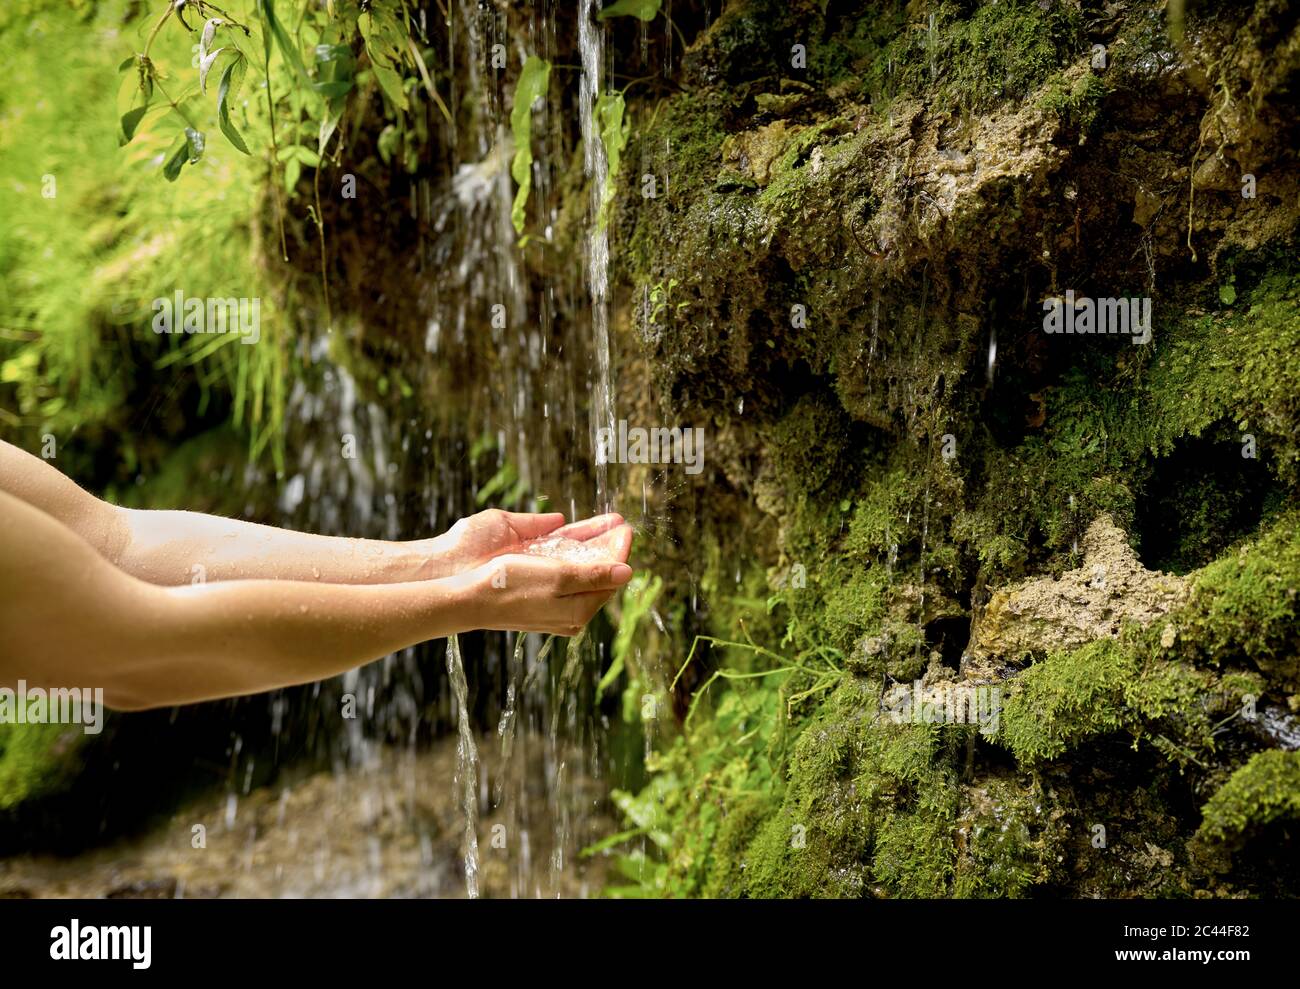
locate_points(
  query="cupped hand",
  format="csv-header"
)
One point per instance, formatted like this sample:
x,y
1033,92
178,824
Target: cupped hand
x,y
531,592
476,539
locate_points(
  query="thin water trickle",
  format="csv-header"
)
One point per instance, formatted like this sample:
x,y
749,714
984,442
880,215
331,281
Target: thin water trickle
x,y
466,764
591,45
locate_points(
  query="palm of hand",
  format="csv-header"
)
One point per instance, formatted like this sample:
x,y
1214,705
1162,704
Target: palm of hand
x,y
480,538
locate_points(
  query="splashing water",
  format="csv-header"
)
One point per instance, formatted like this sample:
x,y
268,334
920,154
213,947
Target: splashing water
x,y
569,550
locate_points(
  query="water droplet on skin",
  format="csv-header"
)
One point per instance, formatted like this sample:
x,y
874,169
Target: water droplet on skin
x,y
303,608
315,573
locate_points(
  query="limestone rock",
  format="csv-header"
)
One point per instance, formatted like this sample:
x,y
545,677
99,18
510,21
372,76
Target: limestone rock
x,y
1046,614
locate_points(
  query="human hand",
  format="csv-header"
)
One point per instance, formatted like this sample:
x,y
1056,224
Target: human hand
x,y
476,539
556,583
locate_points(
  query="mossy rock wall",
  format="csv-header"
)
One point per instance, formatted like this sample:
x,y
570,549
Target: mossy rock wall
x,y
842,280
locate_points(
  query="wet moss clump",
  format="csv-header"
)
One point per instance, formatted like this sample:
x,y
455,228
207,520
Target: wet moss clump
x,y
36,760
1244,606
1109,687
973,59
1263,794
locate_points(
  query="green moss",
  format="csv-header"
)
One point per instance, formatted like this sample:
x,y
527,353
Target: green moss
x,y
998,51
1244,606
1230,363
36,760
1263,792
810,447
1103,688
1077,103
914,855
1009,840
867,801
1066,699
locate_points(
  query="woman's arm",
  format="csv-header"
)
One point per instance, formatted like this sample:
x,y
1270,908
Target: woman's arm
x,y
72,619
174,547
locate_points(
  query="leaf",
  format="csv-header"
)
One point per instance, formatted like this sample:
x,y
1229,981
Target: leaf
x,y
329,123
292,169
205,66
209,30
130,121
195,142
1227,293
384,36
614,131
534,80
390,138
134,96
391,83
300,153
228,82
176,158
337,59
287,48
335,71
643,10
126,64
333,90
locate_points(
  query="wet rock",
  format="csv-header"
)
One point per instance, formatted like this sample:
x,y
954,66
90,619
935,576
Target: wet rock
x,y
752,153
1046,614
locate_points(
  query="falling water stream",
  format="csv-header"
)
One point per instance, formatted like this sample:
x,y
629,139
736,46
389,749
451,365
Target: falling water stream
x,y
467,772
590,44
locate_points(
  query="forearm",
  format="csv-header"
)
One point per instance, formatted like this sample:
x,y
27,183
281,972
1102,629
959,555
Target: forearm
x,y
71,619
244,637
166,547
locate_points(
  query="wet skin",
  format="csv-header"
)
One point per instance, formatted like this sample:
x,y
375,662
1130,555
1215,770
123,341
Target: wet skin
x,y
163,608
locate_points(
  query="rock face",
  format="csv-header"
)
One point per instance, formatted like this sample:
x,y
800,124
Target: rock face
x,y
857,269
1048,614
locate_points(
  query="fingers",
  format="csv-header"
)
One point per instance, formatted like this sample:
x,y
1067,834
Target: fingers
x,y
580,578
583,607
590,528
528,525
616,543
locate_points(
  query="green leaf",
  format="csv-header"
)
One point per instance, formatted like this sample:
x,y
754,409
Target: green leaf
x,y
176,158
390,82
130,121
134,96
384,36
287,48
335,71
301,154
224,88
614,131
644,10
534,80
1227,293
329,123
390,140
333,90
195,142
